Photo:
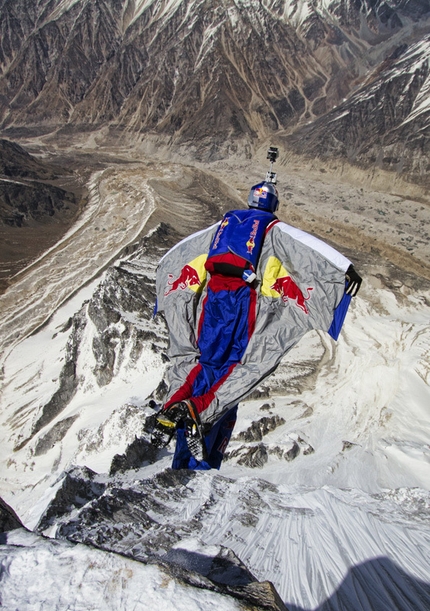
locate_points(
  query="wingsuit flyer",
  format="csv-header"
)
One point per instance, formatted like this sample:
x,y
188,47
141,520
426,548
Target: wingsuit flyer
x,y
236,298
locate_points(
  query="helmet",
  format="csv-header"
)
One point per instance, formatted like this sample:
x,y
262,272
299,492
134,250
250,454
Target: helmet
x,y
264,196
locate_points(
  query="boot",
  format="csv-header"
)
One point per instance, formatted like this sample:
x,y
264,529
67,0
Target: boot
x,y
181,415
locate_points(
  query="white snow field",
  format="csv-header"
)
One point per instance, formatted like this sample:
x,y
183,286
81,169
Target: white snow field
x,y
41,574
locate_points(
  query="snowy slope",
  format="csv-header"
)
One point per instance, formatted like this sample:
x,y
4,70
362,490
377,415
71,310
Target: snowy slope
x,y
42,574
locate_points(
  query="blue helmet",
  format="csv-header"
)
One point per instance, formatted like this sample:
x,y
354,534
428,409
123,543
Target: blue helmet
x,y
264,196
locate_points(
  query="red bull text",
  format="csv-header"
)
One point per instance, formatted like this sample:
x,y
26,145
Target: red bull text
x,y
219,234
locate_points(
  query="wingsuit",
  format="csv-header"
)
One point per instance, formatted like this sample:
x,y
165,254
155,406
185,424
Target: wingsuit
x,y
237,297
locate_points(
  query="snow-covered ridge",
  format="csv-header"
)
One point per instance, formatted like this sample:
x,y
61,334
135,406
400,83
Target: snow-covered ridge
x,y
58,575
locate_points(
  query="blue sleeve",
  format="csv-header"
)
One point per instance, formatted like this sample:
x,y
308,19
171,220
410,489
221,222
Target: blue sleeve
x,y
339,316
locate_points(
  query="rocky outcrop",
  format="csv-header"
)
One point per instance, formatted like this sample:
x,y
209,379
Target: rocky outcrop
x,y
259,428
8,518
137,453
25,196
138,520
16,162
37,206
79,487
23,204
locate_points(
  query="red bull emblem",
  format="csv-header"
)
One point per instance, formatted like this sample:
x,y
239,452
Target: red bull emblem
x,y
260,192
288,289
188,277
250,245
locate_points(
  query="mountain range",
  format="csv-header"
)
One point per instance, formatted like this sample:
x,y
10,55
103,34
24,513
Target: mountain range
x,y
221,76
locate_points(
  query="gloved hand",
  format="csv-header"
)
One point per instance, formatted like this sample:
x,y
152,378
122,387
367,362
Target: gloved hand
x,y
354,281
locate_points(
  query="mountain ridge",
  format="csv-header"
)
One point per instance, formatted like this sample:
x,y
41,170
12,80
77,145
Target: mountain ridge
x,y
191,71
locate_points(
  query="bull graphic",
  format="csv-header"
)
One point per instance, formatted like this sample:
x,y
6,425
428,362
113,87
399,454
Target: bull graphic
x,y
250,245
188,276
288,289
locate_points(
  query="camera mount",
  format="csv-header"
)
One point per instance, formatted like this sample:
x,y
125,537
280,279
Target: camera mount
x,y
272,155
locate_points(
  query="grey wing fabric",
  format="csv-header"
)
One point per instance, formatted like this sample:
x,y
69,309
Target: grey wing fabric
x,y
181,288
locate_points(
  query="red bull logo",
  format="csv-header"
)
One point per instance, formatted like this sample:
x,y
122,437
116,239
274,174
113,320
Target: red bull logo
x,y
250,244
192,276
260,193
288,289
188,277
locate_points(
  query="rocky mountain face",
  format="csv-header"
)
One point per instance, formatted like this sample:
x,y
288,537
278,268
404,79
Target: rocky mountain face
x,y
26,196
214,75
37,203
384,123
135,520
114,328
215,570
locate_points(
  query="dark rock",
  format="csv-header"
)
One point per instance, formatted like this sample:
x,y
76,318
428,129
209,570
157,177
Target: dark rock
x,y
223,568
54,435
308,449
22,204
190,568
8,518
277,451
261,427
266,407
78,488
262,594
16,162
138,452
293,452
261,392
254,596
25,196
254,456
227,568
347,445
